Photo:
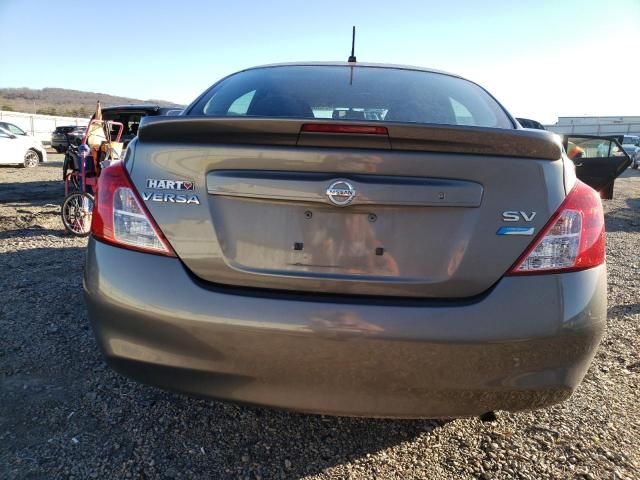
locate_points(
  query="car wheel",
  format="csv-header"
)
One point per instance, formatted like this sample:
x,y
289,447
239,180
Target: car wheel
x,y
31,159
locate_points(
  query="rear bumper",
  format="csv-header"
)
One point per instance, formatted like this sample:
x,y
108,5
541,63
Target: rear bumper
x,y
526,344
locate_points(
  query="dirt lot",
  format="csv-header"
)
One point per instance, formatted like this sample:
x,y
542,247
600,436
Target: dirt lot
x,y
64,414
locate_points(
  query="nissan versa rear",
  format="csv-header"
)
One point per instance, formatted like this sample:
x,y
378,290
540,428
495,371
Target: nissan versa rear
x,y
349,239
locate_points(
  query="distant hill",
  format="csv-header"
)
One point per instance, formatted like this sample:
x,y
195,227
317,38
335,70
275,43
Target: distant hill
x,y
61,101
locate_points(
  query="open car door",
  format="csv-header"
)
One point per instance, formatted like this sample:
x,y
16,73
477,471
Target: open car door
x,y
599,160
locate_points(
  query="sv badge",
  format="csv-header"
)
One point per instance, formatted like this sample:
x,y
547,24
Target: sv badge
x,y
513,216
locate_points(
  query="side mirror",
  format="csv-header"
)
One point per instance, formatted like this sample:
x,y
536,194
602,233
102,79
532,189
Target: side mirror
x,y
11,135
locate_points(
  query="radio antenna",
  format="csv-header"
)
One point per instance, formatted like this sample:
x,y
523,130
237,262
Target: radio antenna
x,y
352,58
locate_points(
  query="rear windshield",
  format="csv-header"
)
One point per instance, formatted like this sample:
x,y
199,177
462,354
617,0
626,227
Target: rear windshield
x,y
352,93
129,119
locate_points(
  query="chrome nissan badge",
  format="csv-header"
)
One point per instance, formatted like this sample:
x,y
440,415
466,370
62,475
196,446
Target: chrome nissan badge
x,y
341,193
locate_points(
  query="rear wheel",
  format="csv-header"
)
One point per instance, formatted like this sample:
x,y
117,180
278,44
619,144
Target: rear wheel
x,y
31,159
77,212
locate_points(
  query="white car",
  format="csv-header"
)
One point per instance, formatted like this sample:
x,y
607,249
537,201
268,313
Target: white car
x,y
20,149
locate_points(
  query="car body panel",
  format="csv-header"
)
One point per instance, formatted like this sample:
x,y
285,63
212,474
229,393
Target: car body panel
x,y
445,249
508,349
602,162
14,147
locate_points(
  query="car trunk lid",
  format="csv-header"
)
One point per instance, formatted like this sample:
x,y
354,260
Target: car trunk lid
x,y
427,203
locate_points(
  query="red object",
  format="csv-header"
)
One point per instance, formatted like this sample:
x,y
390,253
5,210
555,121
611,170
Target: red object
x,y
113,178
341,128
591,251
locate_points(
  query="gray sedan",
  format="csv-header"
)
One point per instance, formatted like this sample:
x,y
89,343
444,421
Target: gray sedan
x,y
349,239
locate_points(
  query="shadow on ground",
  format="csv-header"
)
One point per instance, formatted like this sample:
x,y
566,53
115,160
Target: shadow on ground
x,y
624,310
66,413
35,191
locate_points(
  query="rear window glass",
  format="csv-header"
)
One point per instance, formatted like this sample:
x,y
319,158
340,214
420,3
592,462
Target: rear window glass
x,y
129,119
352,93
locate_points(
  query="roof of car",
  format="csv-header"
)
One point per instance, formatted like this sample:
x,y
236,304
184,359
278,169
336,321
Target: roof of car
x,y
354,64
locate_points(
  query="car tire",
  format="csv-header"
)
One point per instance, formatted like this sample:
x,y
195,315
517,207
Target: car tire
x,y
31,159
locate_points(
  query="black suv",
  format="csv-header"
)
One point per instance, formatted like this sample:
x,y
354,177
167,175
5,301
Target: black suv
x,y
62,136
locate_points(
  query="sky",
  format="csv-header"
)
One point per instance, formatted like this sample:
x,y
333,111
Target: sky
x,y
542,59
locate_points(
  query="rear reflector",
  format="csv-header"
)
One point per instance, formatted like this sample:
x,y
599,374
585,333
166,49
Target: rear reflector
x,y
341,128
121,218
572,240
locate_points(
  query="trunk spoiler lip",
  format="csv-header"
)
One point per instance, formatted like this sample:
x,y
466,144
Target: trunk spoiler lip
x,y
537,144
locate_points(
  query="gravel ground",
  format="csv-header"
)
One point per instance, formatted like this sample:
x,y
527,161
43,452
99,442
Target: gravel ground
x,y
64,414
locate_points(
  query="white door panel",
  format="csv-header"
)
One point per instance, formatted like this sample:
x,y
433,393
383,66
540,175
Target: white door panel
x,y
12,150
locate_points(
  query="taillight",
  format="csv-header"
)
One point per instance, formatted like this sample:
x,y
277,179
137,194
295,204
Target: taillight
x,y
572,240
121,218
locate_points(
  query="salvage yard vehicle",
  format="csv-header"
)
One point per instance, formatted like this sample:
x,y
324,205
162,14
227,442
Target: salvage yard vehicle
x,y
598,160
65,136
528,123
429,259
130,116
631,145
20,149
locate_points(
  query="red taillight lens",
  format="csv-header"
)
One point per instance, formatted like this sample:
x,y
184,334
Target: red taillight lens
x,y
341,128
121,218
572,240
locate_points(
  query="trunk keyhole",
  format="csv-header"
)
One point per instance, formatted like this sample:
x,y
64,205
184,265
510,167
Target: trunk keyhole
x,y
308,214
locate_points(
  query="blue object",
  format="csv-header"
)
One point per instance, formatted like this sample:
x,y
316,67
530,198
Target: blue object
x,y
515,231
